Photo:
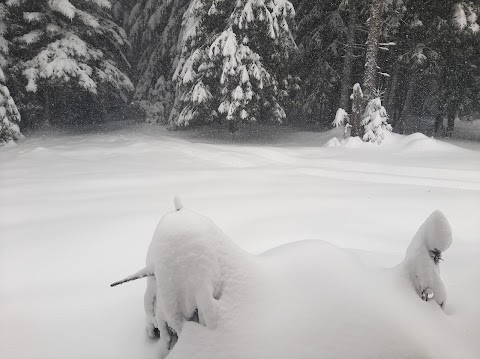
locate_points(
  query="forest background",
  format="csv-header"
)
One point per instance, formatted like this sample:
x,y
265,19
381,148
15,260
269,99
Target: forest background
x,y
195,62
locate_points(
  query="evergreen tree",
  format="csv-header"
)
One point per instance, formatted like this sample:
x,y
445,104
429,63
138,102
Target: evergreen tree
x,y
9,115
322,31
68,46
436,64
375,122
154,27
233,62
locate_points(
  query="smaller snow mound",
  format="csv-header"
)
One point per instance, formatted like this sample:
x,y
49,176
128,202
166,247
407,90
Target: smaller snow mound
x,y
423,256
437,232
334,142
189,263
351,142
418,142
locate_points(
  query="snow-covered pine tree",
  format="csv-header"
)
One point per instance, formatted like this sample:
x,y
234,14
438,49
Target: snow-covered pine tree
x,y
70,45
436,61
232,67
321,33
9,115
153,27
375,122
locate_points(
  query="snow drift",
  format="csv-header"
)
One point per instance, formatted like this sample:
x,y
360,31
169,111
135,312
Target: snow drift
x,y
309,299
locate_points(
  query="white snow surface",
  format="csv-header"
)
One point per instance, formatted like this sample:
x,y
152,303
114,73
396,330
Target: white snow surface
x,y
77,211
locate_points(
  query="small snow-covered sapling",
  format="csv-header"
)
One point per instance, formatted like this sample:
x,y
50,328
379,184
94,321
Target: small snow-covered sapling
x,y
424,255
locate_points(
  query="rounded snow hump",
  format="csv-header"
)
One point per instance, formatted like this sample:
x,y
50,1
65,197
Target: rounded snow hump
x,y
437,231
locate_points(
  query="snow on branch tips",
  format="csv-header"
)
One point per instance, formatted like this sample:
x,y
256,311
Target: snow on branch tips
x,y
465,17
423,257
9,117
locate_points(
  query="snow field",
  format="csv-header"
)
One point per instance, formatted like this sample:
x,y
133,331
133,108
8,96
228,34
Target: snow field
x,y
78,212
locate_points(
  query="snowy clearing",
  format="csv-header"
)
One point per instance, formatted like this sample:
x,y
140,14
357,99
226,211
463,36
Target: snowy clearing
x,y
78,212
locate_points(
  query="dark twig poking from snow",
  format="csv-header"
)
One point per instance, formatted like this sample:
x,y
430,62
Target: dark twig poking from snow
x,y
142,273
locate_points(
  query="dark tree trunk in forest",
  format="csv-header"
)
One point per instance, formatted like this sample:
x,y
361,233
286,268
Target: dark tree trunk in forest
x,y
400,125
47,109
374,32
392,93
348,60
452,113
357,109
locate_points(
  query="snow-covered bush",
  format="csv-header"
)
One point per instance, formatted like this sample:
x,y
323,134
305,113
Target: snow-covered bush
x,y
423,256
375,122
189,262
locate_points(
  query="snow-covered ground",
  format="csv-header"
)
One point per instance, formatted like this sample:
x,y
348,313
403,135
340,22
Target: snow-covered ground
x,y
77,211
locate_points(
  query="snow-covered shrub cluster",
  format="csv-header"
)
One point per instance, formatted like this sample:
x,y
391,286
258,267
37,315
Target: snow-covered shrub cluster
x,y
375,122
189,261
423,256
192,267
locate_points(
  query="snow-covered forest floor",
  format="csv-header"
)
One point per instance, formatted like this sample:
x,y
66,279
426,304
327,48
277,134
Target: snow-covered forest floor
x,y
77,211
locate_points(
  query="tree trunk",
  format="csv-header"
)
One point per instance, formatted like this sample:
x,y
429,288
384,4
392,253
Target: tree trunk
x,y
400,126
374,32
392,95
452,113
357,108
47,107
348,60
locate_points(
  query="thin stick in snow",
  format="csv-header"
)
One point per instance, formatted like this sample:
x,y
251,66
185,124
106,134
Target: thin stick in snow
x,y
142,273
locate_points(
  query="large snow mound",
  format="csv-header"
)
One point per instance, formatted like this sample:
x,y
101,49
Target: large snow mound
x,y
307,299
311,299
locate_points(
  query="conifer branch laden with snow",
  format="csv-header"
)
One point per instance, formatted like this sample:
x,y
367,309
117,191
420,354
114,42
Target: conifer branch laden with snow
x,y
153,28
9,115
75,44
